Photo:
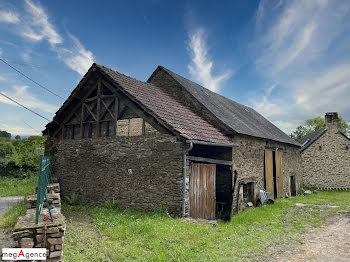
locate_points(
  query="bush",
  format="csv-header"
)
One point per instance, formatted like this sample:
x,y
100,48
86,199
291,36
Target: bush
x,y
20,158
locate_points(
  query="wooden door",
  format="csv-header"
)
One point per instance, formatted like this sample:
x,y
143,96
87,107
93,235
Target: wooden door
x,y
202,190
269,174
279,173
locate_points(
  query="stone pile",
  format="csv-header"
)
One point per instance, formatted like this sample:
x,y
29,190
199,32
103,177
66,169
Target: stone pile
x,y
45,234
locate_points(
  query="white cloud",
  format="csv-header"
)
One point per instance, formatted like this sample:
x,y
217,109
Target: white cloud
x,y
201,65
77,57
9,17
22,131
2,78
20,94
36,26
40,26
304,47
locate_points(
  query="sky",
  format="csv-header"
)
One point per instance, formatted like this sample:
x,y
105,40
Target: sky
x,y
289,60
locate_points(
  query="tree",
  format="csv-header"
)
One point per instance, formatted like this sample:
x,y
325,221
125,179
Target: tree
x,y
315,124
7,150
5,134
17,137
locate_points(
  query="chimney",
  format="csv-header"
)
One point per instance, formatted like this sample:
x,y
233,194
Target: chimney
x,y
331,119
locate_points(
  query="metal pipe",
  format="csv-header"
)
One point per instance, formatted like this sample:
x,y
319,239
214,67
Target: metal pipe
x,y
196,142
184,177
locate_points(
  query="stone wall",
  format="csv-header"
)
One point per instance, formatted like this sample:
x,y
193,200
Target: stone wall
x,y
45,234
249,161
326,162
140,172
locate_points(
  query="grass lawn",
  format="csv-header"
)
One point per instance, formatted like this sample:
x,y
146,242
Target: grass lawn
x,y
9,219
18,187
104,234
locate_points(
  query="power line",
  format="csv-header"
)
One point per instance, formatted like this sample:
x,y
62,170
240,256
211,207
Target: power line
x,y
30,79
30,126
24,107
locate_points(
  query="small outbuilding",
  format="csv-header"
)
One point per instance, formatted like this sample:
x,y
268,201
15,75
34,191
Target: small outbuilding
x,y
167,143
326,156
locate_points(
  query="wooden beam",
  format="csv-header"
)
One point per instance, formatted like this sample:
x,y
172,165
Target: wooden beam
x,y
90,99
90,111
98,114
81,121
116,113
107,107
210,160
152,120
73,111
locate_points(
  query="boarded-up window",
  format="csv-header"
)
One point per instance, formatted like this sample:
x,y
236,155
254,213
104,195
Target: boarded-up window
x,y
123,127
130,127
136,127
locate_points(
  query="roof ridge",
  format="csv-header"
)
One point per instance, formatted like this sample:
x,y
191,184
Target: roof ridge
x,y
102,67
239,118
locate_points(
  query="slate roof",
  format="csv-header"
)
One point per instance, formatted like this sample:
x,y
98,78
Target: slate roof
x,y
309,139
166,108
241,119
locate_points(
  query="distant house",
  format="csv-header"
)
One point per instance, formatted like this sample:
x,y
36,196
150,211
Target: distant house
x,y
168,143
326,156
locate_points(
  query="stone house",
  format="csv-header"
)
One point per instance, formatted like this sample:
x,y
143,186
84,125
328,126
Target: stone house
x,y
167,143
326,156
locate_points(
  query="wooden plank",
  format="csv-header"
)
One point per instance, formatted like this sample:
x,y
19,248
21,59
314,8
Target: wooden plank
x,y
202,190
269,174
279,174
210,160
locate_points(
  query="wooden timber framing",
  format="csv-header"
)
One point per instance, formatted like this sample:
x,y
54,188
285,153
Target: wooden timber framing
x,y
210,160
141,112
98,111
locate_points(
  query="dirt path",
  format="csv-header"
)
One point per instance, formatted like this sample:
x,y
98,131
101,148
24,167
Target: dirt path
x,y
327,243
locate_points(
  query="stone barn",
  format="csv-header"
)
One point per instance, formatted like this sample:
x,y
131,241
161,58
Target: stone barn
x,y
167,143
326,156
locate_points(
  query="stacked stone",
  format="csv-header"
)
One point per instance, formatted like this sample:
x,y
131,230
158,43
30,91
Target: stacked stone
x,y
53,198
45,234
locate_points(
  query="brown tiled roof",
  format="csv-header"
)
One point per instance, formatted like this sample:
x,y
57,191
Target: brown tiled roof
x,y
176,115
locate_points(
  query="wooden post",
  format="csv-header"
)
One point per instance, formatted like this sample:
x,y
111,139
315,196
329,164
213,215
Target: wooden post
x,y
98,128
116,112
81,121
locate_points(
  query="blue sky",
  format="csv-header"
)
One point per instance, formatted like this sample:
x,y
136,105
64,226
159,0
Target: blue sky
x,y
289,60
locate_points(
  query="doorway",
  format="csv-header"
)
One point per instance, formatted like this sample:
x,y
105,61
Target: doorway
x,y
273,174
202,190
293,191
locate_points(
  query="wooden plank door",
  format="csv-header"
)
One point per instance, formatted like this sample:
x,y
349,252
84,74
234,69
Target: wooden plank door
x,y
279,173
269,174
202,190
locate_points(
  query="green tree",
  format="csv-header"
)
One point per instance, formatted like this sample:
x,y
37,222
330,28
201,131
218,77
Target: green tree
x,y
17,137
315,124
7,150
5,134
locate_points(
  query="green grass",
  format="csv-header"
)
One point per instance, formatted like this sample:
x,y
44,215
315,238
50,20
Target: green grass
x,y
9,219
102,234
18,187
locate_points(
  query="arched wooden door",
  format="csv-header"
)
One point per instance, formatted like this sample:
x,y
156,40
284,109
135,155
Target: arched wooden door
x,y
202,190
